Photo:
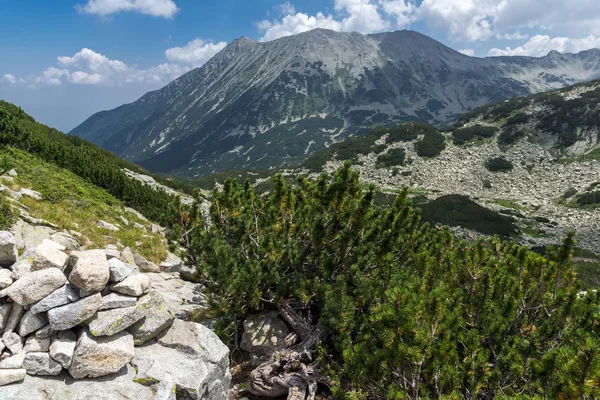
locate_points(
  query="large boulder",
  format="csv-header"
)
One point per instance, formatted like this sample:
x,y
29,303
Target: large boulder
x,y
35,286
111,322
61,296
41,364
134,285
263,333
63,348
101,356
48,254
157,317
200,374
90,270
72,314
8,248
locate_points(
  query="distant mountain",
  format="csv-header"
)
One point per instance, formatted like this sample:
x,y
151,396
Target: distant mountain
x,y
260,105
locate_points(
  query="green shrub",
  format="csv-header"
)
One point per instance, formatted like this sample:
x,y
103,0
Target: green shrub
x,y
499,164
432,144
8,215
407,131
589,198
391,158
510,136
569,193
464,135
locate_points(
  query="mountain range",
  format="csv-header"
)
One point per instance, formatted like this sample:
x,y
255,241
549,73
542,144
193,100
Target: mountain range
x,y
259,105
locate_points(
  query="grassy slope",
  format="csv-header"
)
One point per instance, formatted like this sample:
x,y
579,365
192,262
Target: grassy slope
x,y
73,203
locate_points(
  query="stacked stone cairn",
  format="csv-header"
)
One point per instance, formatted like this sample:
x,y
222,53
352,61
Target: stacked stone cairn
x,y
87,315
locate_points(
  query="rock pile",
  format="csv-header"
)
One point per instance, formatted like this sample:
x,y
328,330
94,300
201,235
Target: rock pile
x,y
67,316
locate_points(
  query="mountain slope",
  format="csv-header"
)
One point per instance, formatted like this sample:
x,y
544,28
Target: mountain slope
x,y
259,105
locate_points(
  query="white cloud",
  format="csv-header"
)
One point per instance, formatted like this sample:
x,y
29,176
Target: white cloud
x,y
195,53
297,23
467,52
88,67
362,16
402,10
540,45
155,8
286,8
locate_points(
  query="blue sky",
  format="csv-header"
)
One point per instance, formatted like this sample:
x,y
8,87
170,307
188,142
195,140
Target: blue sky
x,y
63,60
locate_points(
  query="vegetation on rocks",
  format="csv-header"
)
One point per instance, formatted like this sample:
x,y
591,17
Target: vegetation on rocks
x,y
432,144
392,158
499,164
465,135
407,310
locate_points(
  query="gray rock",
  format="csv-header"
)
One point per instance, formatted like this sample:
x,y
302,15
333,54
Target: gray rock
x,y
101,356
61,296
112,253
139,226
45,332
5,278
72,314
29,236
4,314
20,269
31,193
13,342
119,270
13,362
90,270
119,386
107,225
16,313
41,364
144,265
8,248
194,339
35,286
11,375
1,345
127,256
110,322
63,348
203,375
12,172
188,273
32,322
48,254
184,298
117,300
263,333
65,239
166,390
157,317
33,344
133,285
124,220
172,263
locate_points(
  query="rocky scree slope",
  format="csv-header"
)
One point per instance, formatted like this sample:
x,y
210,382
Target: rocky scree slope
x,y
260,105
548,142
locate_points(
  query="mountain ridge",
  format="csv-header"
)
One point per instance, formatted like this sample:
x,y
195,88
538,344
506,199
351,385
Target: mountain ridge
x,y
266,104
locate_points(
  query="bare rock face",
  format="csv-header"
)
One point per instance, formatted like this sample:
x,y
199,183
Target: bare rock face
x,y
35,286
90,270
101,356
70,315
8,248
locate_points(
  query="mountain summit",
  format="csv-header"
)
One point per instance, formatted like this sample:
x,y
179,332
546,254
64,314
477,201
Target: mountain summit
x,y
260,105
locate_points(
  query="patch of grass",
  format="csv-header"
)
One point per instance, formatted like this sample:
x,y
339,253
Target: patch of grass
x,y
73,203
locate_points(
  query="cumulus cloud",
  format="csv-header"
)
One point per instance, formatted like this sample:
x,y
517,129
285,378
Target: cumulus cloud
x,y
403,11
296,23
467,52
88,67
155,8
540,45
195,53
361,16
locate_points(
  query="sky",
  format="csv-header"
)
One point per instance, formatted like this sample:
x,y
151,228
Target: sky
x,y
63,60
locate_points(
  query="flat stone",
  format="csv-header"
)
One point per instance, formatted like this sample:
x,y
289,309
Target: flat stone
x,y
35,286
5,278
112,253
16,313
13,362
119,270
10,376
8,248
90,270
157,317
32,322
41,364
107,225
48,254
63,348
4,314
61,296
101,356
13,342
144,265
133,285
184,298
111,322
72,314
117,300
31,193
66,240
33,344
183,336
